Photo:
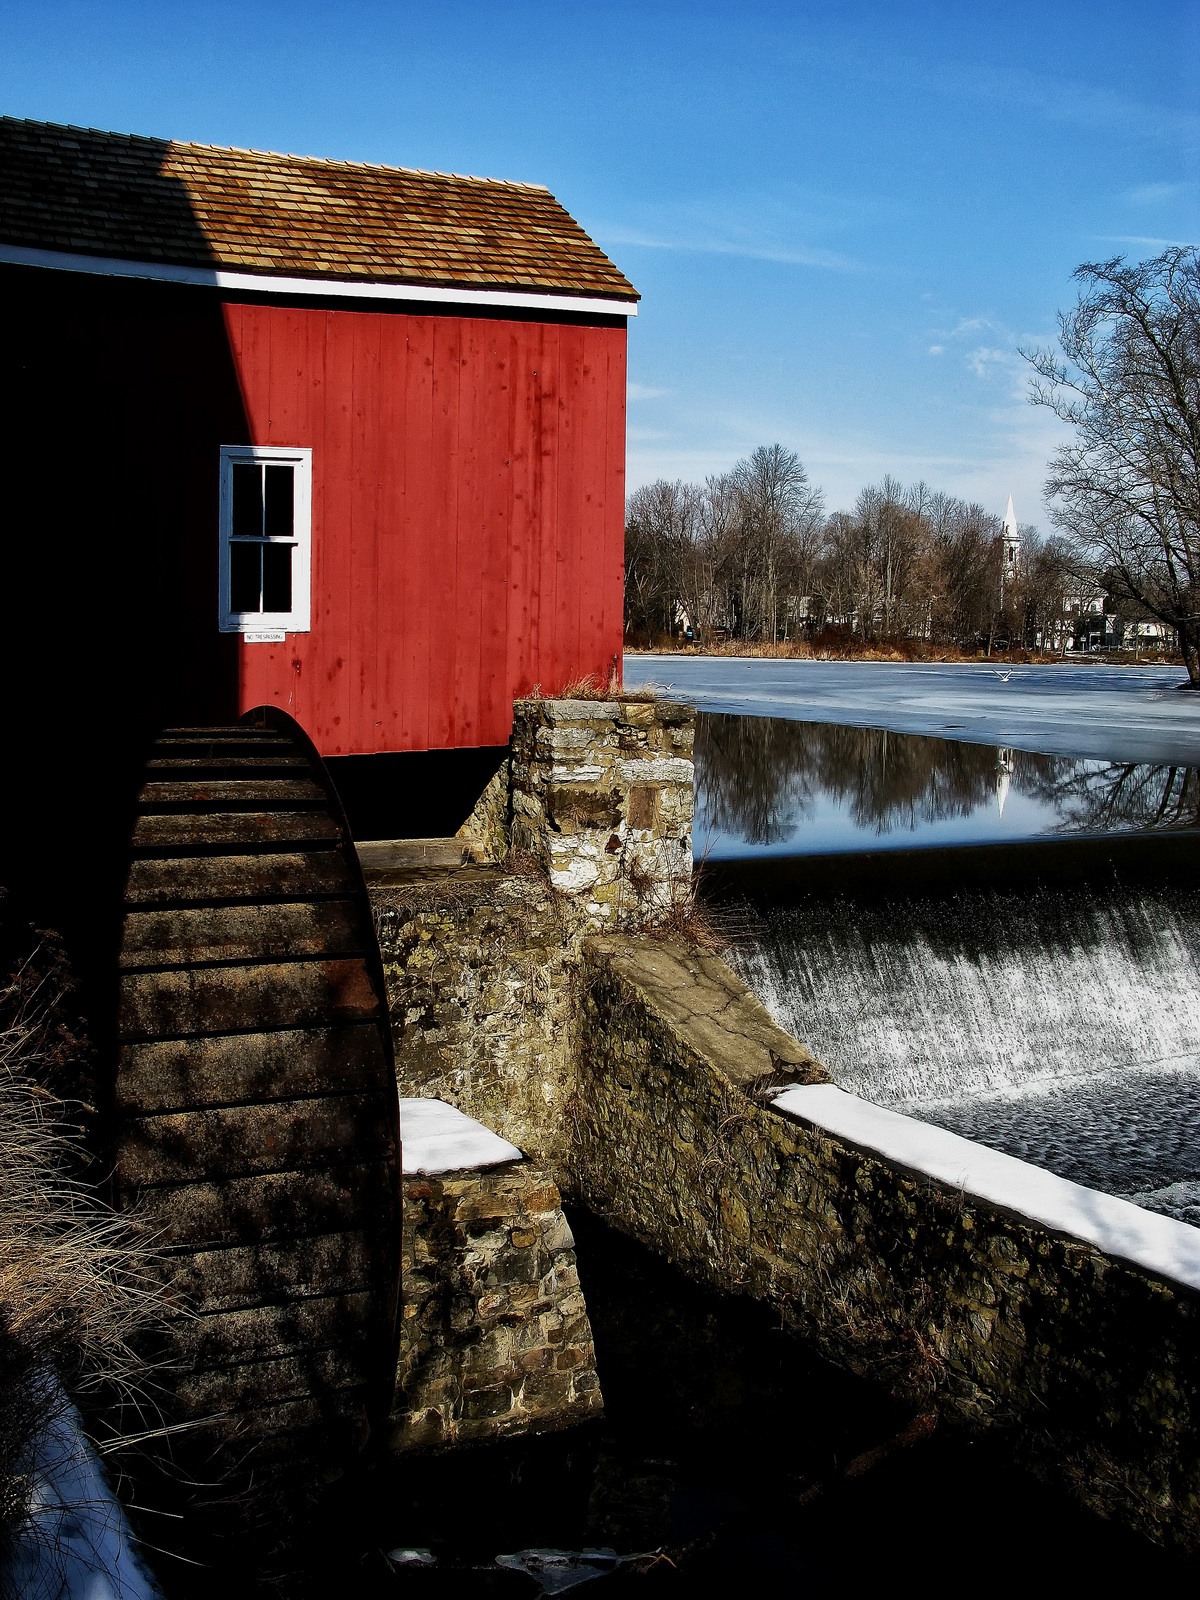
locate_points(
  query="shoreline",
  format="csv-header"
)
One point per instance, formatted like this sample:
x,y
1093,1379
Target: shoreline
x,y
886,657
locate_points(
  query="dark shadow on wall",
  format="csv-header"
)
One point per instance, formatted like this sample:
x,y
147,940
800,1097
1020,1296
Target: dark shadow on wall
x,y
117,396
414,794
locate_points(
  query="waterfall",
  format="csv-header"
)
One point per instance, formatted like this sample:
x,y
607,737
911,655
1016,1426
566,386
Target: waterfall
x,y
1059,1024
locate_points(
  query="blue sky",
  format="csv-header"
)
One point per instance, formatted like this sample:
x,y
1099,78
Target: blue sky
x,y
844,218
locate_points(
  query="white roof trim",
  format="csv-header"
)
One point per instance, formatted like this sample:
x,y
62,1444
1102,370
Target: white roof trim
x,y
1162,1245
20,255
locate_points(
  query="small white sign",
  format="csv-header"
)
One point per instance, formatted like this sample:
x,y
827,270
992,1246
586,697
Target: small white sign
x,y
266,636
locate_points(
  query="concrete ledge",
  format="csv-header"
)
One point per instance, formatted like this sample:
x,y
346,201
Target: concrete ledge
x,y
1159,1244
709,1005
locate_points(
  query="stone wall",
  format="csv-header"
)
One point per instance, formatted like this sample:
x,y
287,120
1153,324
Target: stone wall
x,y
602,799
481,970
1090,1363
495,1338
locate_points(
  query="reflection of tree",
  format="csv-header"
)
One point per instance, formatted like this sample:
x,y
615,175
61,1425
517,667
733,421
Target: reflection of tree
x,y
754,778
1119,795
761,776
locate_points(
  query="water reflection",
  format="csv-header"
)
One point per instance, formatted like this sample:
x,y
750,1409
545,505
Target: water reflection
x,y
767,783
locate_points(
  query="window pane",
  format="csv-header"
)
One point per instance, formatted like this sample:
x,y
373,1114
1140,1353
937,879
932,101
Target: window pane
x,y
247,500
245,576
277,577
280,523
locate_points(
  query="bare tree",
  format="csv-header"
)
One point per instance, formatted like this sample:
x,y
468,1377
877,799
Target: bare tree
x,y
779,513
662,527
1126,490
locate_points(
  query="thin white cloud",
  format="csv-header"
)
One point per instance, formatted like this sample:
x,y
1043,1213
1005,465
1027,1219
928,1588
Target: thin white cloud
x,y
1144,241
1053,98
984,360
643,391
937,349
1153,194
965,327
790,255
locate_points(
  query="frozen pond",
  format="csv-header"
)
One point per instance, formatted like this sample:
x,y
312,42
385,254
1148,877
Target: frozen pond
x,y
1124,714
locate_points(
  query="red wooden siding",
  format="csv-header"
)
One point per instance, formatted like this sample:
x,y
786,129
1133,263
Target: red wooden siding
x,y
468,515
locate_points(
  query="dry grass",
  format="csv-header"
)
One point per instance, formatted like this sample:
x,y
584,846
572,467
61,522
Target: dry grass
x,y
76,1284
712,928
594,687
842,650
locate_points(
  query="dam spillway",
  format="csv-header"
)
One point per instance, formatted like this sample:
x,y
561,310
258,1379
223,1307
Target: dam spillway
x,y
1059,1024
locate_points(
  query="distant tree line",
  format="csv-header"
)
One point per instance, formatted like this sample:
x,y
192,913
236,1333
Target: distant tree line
x,y
751,555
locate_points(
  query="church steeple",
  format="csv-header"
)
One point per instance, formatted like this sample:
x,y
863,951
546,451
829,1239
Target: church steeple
x,y
1011,553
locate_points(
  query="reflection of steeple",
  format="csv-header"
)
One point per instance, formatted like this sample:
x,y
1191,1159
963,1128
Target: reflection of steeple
x,y
1004,770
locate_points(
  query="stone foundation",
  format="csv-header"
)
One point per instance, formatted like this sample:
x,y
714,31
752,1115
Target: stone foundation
x,y
495,1338
641,1076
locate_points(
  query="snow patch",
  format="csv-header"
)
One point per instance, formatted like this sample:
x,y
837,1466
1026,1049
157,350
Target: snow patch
x,y
437,1138
75,1543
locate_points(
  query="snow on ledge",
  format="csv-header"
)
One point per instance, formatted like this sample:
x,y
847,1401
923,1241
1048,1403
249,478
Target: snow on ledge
x,y
436,1138
1161,1245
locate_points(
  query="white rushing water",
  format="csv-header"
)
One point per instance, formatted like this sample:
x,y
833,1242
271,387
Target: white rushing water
x,y
1060,1027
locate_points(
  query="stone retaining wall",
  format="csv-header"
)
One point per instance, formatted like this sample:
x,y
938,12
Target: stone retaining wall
x,y
481,978
602,799
495,1338
1091,1364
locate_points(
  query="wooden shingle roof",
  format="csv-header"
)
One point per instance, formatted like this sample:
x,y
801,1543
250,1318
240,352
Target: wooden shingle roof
x,y
86,192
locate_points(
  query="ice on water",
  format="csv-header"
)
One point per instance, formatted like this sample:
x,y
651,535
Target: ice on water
x,y
1107,713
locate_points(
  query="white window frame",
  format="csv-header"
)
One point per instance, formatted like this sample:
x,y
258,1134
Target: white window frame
x,y
297,619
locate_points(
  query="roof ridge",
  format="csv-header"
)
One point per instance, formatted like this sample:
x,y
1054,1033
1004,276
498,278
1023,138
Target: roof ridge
x,y
277,155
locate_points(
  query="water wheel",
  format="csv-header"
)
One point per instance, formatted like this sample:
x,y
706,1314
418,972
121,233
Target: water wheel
x,y
256,1112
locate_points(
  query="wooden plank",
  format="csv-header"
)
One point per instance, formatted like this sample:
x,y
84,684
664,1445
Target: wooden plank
x,y
255,1275
188,1074
290,875
217,761
300,1375
212,1000
226,1141
385,854
273,1330
271,932
219,792
270,1206
181,831
239,733
321,1429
